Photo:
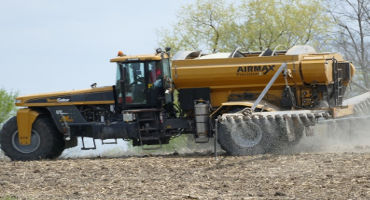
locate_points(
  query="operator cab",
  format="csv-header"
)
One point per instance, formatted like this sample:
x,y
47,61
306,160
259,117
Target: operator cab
x,y
141,80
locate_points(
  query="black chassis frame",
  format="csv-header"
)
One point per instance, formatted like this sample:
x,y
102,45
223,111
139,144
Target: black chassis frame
x,y
114,128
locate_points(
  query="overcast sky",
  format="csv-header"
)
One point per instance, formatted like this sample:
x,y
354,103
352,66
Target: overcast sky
x,y
48,46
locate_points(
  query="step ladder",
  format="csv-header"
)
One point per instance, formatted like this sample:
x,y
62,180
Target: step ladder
x,y
149,130
87,148
338,87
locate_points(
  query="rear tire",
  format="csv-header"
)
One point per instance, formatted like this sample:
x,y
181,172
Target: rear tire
x,y
46,141
246,138
295,128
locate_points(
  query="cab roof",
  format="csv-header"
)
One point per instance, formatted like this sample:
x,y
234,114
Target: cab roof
x,y
138,57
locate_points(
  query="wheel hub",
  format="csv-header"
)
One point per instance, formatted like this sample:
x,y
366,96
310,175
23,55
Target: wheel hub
x,y
33,146
246,134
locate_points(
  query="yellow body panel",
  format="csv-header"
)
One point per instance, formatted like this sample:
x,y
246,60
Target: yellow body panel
x,y
342,111
25,119
229,72
66,104
26,101
226,76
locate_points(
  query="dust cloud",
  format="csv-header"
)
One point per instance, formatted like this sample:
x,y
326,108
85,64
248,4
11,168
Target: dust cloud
x,y
182,145
335,137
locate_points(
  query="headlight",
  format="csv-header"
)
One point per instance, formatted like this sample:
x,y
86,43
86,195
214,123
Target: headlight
x,y
128,117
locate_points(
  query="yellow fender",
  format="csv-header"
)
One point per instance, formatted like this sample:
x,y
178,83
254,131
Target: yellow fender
x,y
240,103
25,119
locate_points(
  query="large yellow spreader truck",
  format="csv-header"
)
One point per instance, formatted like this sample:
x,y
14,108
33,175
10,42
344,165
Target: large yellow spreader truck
x,y
251,101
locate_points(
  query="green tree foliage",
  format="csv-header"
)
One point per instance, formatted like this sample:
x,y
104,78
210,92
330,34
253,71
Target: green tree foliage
x,y
218,25
270,23
7,107
200,26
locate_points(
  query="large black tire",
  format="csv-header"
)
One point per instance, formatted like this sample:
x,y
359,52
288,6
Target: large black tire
x,y
247,137
46,141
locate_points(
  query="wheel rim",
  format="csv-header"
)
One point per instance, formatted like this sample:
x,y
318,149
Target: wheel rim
x,y
246,135
33,146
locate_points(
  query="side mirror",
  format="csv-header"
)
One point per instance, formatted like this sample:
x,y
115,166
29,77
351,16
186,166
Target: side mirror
x,y
158,51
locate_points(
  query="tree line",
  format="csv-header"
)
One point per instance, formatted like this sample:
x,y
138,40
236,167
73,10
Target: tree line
x,y
7,107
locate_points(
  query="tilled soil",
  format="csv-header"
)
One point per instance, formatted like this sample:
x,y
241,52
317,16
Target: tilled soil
x,y
294,176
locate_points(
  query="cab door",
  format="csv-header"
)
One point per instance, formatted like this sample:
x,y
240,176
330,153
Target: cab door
x,y
134,84
155,83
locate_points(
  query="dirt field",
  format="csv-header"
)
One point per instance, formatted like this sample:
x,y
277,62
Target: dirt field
x,y
325,166
301,176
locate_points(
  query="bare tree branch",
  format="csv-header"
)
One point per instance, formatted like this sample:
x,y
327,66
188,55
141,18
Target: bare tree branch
x,y
355,26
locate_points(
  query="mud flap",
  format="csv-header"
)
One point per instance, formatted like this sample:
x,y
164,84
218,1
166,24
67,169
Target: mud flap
x,y
25,119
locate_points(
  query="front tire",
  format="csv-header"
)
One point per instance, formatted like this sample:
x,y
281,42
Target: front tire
x,y
46,141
